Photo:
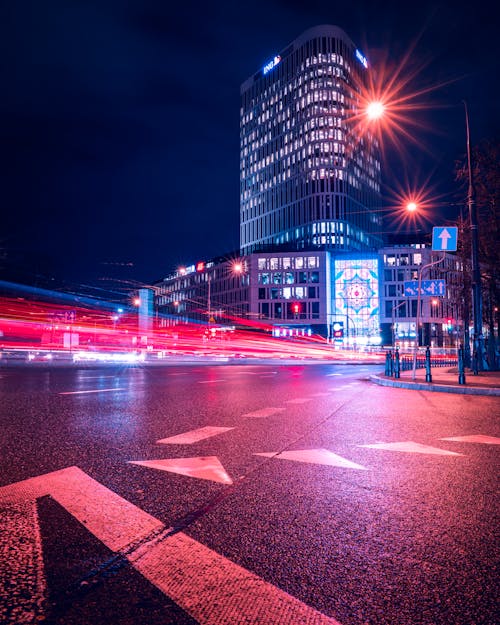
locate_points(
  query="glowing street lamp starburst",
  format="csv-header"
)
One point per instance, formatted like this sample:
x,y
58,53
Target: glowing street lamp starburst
x,y
375,110
385,106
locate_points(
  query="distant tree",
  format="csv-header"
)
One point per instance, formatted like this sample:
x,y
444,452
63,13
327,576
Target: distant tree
x,y
486,179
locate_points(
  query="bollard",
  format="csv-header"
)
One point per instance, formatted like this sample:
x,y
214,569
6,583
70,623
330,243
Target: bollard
x,y
461,370
388,363
474,363
397,373
428,375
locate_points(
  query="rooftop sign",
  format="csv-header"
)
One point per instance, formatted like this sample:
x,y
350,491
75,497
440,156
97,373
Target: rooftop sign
x,y
361,58
271,64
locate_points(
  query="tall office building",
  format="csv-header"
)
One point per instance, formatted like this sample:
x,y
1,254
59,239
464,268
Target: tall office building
x,y
309,179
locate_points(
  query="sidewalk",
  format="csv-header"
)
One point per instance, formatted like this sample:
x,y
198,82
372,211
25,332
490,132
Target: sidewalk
x,y
445,381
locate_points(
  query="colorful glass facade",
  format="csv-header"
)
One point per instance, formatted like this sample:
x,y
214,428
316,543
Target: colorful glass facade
x,y
357,301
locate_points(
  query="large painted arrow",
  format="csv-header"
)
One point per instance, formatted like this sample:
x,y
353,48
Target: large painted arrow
x,y
211,588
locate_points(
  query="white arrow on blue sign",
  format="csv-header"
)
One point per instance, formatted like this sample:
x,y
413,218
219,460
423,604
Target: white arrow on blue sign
x,y
434,288
444,239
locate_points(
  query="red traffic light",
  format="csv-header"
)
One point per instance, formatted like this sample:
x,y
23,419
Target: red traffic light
x,y
296,308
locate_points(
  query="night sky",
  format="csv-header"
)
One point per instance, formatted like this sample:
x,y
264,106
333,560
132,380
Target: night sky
x,y
120,120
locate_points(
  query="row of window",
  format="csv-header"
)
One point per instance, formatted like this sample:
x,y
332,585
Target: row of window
x,y
289,310
274,263
287,292
289,277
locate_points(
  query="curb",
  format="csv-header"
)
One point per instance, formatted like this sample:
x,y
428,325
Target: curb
x,y
439,388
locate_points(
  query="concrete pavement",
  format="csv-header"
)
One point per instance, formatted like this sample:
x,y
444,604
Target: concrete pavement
x,y
445,380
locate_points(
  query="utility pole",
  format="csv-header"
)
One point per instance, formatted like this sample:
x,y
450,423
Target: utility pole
x,y
478,359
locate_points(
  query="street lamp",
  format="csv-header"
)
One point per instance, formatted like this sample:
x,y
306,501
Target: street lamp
x,y
375,110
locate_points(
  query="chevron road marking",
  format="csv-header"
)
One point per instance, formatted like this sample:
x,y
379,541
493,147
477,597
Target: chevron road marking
x,y
313,456
474,438
194,436
204,468
211,588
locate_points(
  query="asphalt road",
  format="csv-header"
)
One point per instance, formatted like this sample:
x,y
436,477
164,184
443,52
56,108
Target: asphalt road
x,y
320,498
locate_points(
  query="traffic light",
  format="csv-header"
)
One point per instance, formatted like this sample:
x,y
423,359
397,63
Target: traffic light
x,y
449,325
338,330
296,308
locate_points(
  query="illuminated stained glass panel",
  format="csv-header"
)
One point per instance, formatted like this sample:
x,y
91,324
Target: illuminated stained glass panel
x,y
357,295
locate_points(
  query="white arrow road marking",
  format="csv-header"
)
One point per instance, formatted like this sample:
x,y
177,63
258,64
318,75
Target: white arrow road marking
x,y
212,589
188,438
204,468
474,438
411,447
314,456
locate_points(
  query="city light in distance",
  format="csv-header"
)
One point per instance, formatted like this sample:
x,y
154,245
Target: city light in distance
x,y
411,207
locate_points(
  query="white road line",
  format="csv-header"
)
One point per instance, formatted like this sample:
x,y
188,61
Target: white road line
x,y
211,588
264,412
298,400
412,448
329,375
474,438
193,436
22,563
226,593
94,377
97,390
211,381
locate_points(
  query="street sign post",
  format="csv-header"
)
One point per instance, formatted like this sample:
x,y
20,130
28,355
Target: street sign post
x,y
428,288
444,239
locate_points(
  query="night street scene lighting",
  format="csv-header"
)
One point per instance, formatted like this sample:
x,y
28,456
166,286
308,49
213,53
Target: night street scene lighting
x,y
249,284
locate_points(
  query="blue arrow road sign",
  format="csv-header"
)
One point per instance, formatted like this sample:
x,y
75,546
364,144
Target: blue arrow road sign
x,y
430,288
444,239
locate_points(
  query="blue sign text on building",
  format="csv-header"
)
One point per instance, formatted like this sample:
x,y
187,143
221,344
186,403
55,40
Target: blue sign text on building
x,y
361,58
271,65
430,288
444,239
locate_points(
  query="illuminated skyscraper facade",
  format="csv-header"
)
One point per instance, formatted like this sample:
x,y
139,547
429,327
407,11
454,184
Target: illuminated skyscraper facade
x,y
308,179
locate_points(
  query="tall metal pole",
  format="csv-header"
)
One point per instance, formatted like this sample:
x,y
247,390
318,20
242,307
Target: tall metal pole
x,y
479,361
417,319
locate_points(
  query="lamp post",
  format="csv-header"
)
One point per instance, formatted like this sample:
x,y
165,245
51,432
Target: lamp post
x,y
393,310
478,360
